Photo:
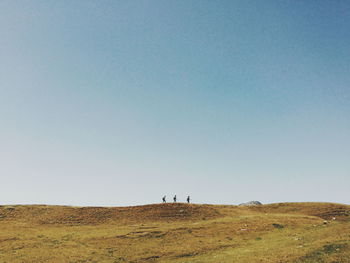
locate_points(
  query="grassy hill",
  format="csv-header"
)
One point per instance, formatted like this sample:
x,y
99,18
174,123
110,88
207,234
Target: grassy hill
x,y
281,233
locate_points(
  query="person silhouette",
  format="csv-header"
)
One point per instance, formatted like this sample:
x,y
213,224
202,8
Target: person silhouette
x,y
164,201
174,199
188,199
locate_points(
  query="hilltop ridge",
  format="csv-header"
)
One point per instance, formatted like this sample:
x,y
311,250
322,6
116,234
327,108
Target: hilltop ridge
x,y
47,214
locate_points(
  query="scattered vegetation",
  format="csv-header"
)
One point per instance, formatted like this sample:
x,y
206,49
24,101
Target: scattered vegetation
x,y
278,226
276,233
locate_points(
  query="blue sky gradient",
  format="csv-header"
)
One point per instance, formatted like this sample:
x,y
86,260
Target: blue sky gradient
x,y
122,102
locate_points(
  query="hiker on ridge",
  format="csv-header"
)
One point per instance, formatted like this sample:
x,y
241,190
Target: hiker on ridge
x,y
188,199
164,201
174,199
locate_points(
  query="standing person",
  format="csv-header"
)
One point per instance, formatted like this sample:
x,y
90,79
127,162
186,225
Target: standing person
x,y
175,199
188,199
164,201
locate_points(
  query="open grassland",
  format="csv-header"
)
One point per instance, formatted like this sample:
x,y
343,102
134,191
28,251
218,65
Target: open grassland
x,y
281,233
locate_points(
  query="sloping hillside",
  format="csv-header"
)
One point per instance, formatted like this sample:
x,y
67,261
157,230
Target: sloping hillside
x,y
286,232
57,215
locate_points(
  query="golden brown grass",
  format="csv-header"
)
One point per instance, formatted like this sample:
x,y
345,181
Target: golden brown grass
x,y
281,233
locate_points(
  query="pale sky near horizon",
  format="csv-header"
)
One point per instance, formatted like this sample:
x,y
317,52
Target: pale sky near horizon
x,y
122,102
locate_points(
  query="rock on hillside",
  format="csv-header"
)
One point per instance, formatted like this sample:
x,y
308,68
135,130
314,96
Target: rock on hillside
x,y
251,203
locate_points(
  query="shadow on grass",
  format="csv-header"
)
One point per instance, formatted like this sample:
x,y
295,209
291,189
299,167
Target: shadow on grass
x,y
319,255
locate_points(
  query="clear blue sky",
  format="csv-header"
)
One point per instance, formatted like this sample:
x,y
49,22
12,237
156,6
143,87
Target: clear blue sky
x,y
122,102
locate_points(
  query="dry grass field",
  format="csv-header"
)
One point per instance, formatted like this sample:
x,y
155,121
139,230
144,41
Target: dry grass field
x,y
281,233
